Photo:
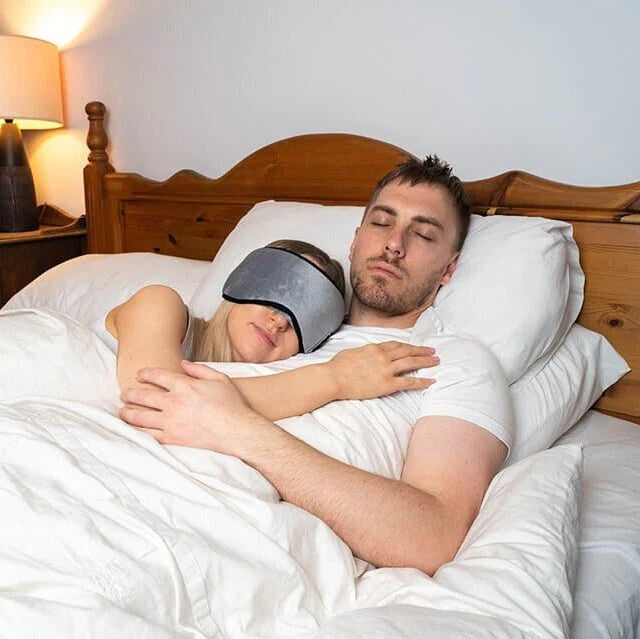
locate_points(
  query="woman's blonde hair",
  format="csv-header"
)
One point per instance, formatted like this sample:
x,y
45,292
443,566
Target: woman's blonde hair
x,y
211,338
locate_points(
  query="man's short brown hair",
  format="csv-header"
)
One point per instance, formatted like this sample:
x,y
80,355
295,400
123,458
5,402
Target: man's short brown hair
x,y
431,171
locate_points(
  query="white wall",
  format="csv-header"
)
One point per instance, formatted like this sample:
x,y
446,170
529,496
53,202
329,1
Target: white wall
x,y
549,87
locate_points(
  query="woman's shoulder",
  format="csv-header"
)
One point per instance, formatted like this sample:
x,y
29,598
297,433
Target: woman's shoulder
x,y
156,293
146,305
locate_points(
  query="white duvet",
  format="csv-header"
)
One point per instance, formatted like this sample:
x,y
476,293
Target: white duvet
x,y
105,533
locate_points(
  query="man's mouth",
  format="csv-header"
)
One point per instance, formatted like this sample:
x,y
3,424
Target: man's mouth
x,y
383,267
265,335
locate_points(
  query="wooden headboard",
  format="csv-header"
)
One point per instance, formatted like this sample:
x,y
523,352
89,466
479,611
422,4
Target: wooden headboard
x,y
189,215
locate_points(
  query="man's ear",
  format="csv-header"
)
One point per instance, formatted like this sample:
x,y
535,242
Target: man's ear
x,y
353,243
450,270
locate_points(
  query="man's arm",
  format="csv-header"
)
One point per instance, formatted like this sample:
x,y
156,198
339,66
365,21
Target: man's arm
x,y
418,521
455,461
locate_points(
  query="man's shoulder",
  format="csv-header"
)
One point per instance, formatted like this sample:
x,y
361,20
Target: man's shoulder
x,y
459,348
470,385
430,330
467,369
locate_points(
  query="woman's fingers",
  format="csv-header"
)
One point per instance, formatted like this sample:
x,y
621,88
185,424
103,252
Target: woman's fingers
x,y
398,350
407,350
413,363
407,382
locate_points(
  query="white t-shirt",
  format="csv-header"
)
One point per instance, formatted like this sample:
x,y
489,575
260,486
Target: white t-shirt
x,y
374,434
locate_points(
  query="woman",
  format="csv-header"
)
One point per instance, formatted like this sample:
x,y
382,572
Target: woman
x,y
154,328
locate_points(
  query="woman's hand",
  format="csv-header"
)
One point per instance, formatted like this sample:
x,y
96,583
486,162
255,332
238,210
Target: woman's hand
x,y
376,370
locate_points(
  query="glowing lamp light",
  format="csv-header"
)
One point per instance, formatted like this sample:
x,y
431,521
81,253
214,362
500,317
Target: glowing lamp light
x,y
30,98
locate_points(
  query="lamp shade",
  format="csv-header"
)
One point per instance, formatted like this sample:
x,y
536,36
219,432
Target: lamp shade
x,y
30,85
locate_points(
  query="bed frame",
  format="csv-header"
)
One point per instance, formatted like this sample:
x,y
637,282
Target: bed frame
x,y
190,215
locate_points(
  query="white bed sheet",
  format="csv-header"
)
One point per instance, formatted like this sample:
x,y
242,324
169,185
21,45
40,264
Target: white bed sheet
x,y
607,590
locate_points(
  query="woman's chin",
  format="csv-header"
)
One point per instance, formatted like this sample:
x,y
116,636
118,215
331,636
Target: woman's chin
x,y
250,356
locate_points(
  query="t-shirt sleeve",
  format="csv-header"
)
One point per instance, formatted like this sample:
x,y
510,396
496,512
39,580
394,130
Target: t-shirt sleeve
x,y
470,385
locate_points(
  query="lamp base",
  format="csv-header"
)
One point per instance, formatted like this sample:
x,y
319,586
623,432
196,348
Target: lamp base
x,y
18,211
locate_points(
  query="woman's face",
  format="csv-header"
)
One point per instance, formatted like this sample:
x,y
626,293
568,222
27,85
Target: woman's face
x,y
260,334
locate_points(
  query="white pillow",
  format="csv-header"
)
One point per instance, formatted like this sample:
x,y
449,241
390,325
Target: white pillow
x,y
330,228
518,561
527,528
518,287
549,401
30,339
89,286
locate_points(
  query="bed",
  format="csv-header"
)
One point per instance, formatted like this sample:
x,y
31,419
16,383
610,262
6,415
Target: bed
x,y
188,217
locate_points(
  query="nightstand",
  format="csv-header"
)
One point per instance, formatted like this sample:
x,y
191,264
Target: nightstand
x,y
24,256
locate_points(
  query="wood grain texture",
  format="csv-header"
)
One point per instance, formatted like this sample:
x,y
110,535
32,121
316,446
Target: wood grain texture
x,y
522,190
100,222
185,229
189,215
610,258
24,258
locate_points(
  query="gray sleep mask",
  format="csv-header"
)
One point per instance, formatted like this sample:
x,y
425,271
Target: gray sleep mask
x,y
288,282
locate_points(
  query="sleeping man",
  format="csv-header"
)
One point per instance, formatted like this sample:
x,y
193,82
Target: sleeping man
x,y
450,439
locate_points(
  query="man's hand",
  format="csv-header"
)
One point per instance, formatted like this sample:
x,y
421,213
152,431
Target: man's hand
x,y
202,409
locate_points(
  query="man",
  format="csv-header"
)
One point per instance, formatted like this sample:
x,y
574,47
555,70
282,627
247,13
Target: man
x,y
406,248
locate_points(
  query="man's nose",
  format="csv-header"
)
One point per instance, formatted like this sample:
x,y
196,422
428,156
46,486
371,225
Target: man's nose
x,y
394,244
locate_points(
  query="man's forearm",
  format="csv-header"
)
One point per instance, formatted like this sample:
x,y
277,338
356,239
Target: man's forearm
x,y
384,521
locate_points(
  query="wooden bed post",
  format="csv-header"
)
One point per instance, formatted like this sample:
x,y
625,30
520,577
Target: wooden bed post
x,y
94,174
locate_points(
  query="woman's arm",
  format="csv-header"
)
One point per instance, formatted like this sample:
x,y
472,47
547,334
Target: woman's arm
x,y
149,327
369,371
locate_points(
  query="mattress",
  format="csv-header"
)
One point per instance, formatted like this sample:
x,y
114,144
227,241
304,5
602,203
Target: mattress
x,y
607,590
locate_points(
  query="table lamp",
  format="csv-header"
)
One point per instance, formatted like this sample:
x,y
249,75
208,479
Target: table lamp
x,y
30,98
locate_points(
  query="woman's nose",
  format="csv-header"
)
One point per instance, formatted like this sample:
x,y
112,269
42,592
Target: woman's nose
x,y
278,319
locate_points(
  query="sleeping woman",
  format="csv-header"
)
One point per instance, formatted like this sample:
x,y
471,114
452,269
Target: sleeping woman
x,y
283,299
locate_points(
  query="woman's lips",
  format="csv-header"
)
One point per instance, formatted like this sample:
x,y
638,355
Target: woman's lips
x,y
264,335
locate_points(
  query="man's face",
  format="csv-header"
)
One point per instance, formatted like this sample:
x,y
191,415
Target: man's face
x,y
404,249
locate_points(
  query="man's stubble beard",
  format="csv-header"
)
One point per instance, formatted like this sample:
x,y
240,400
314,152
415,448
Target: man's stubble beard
x,y
377,297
